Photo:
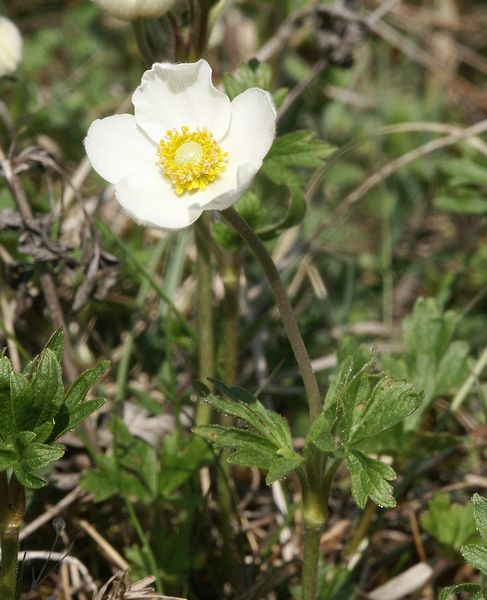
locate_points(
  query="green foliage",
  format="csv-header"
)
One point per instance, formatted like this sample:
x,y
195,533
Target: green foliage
x,y
296,150
450,523
249,75
267,444
474,554
136,470
432,361
35,411
463,193
285,167
360,405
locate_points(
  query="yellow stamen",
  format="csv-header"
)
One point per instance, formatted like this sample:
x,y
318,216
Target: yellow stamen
x,y
190,159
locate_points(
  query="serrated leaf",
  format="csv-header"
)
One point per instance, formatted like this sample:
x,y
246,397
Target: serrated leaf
x,y
281,467
432,362
391,402
299,149
370,479
7,414
480,515
252,457
473,588
68,418
56,343
21,400
231,437
8,457
33,459
47,395
338,382
78,390
249,75
450,523
320,432
476,556
268,423
102,481
180,460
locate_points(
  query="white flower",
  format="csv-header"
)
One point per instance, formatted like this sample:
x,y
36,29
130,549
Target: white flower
x,y
186,150
10,47
133,9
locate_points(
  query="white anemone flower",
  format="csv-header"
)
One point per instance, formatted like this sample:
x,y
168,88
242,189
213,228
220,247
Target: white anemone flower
x,y
134,9
10,46
187,149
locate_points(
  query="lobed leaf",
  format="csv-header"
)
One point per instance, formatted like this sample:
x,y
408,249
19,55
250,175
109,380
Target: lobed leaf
x,y
370,479
391,402
78,390
473,588
281,467
480,515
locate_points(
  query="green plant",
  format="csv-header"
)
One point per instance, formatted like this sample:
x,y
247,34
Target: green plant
x,y
35,411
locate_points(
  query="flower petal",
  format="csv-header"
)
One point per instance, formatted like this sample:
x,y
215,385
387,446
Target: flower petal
x,y
151,200
252,127
171,96
117,147
248,140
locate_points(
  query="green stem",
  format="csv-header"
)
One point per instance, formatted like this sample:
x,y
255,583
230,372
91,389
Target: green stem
x,y
285,308
12,500
147,550
206,341
309,577
231,274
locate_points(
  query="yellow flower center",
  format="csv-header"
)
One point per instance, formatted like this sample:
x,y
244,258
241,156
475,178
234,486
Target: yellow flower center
x,y
190,159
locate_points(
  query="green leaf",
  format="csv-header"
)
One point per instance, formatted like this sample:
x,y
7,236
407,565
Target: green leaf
x,y
47,395
231,437
256,456
56,343
476,556
480,515
8,427
433,363
281,467
293,215
450,523
320,433
369,479
78,390
462,202
33,459
464,171
252,74
269,424
68,418
181,459
8,457
391,402
103,481
473,588
299,149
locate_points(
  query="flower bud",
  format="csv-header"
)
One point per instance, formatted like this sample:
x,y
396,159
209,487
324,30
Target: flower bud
x,y
134,9
10,47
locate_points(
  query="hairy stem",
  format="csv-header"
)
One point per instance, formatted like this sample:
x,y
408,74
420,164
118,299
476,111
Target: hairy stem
x,y
12,509
206,338
285,308
309,576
